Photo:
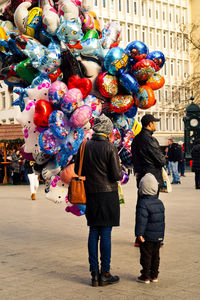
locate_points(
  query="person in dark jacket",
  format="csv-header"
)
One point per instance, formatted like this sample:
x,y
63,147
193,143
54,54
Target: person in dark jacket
x,y
146,152
101,166
175,154
149,227
196,162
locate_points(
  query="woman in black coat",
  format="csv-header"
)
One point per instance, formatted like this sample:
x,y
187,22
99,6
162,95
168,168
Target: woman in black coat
x,y
196,162
102,169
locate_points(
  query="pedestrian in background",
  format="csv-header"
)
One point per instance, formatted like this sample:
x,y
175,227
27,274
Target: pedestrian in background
x,y
181,163
175,154
101,166
196,162
149,228
33,178
15,166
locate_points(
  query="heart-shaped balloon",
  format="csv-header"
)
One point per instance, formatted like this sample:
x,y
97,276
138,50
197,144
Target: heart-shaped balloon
x,y
121,103
43,109
83,84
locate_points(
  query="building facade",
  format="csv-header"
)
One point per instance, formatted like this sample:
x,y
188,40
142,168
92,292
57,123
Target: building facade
x,y
158,24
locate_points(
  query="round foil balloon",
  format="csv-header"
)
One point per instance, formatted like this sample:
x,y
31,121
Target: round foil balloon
x,y
129,82
116,60
121,103
56,93
143,70
81,116
136,51
71,100
115,137
43,109
145,98
58,124
156,81
107,84
131,112
158,58
95,105
48,142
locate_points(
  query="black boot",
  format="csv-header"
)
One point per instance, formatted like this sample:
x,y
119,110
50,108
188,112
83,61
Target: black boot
x,y
95,278
106,278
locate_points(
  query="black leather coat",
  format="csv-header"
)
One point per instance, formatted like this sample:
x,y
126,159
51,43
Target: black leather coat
x,y
147,155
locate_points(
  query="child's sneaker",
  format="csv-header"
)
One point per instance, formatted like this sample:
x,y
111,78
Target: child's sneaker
x,y
143,279
155,279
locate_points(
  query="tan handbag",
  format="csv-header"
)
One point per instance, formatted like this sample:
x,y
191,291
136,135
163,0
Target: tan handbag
x,y
76,190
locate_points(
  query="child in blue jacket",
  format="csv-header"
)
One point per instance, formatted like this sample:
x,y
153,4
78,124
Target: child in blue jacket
x,y
149,227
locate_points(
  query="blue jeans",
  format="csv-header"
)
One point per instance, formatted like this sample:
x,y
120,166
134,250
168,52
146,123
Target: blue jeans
x,y
181,167
173,166
104,233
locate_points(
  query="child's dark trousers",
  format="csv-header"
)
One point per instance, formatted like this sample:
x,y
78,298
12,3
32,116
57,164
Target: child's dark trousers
x,y
150,259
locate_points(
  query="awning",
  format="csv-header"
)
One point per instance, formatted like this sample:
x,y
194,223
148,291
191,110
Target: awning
x,y
11,132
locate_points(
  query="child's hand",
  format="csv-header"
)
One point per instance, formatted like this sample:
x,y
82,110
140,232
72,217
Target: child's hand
x,y
141,239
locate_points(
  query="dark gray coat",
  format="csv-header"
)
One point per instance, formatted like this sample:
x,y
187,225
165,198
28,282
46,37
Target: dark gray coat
x,y
102,169
150,218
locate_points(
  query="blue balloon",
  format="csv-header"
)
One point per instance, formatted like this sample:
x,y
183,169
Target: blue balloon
x,y
116,60
130,83
131,112
158,58
58,124
136,51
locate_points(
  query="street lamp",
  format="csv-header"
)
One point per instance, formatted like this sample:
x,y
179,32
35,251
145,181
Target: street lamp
x,y
191,127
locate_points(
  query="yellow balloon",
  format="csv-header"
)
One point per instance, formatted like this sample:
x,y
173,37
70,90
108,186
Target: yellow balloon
x,y
3,34
136,127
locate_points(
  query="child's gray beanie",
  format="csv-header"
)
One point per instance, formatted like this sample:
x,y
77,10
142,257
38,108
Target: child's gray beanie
x,y
148,185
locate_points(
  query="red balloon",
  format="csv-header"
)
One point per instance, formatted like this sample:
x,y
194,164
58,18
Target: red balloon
x,y
143,70
43,109
83,84
107,84
53,76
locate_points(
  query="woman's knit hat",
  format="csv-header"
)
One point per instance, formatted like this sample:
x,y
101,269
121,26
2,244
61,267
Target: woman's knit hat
x,y
148,185
103,124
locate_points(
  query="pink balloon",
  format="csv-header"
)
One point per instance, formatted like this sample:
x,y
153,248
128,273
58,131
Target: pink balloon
x,y
81,116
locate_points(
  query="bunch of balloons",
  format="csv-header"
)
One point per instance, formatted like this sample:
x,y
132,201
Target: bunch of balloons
x,y
67,71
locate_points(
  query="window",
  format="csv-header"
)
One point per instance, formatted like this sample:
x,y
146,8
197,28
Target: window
x,y
136,37
164,39
171,40
172,67
158,33
151,37
96,2
178,68
165,68
156,14
120,5
135,7
128,33
11,98
112,5
143,34
143,8
167,123
150,13
3,94
104,3
11,120
127,6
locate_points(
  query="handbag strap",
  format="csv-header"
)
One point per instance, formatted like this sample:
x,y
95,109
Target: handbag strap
x,y
82,150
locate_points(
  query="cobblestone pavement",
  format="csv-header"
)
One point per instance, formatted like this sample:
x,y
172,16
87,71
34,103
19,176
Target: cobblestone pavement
x,y
43,249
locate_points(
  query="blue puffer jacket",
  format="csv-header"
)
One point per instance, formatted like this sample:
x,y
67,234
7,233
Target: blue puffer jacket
x,y
150,218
